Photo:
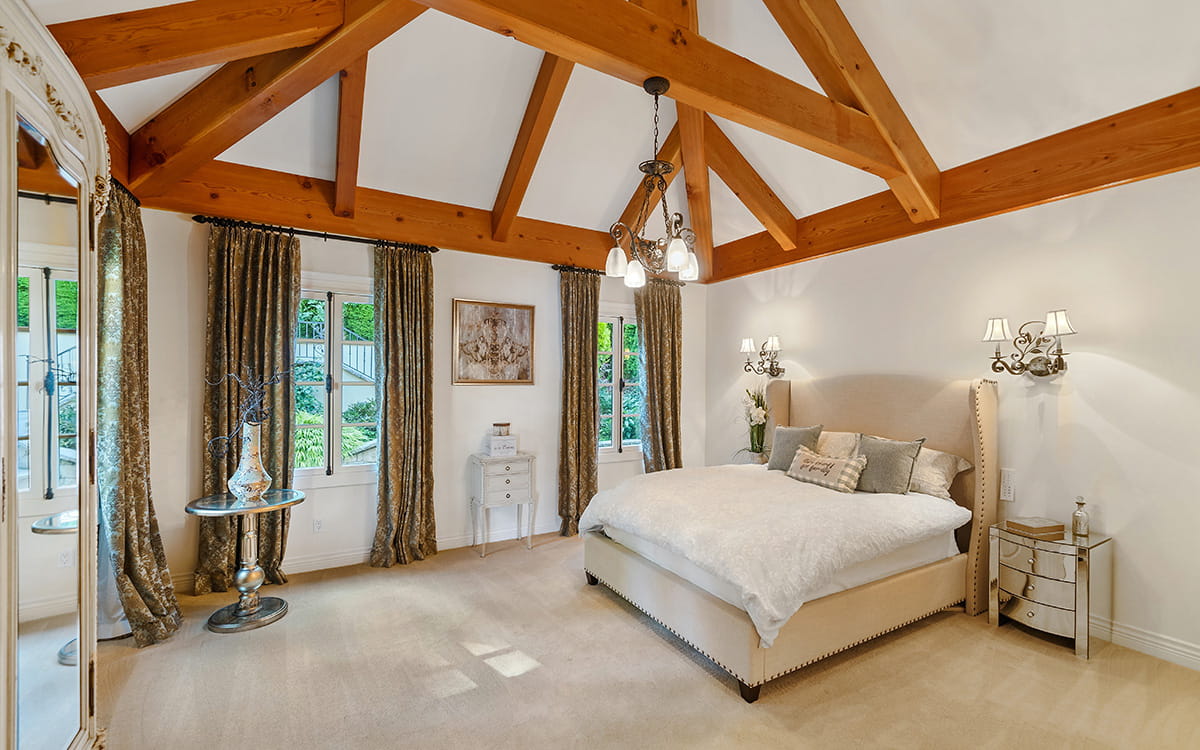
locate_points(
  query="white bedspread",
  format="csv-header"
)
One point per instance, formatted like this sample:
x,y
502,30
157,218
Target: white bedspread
x,y
775,539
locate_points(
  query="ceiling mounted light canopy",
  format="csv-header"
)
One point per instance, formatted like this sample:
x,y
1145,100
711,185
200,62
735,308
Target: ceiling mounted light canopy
x,y
674,251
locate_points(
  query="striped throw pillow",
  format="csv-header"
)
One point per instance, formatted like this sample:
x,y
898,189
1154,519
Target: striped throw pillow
x,y
839,474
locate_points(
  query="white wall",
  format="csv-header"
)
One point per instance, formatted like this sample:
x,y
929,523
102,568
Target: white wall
x,y
462,414
1119,427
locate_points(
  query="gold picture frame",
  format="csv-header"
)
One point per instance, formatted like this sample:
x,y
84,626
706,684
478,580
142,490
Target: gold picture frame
x,y
493,343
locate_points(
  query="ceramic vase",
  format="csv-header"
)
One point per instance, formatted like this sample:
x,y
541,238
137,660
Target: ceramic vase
x,y
251,479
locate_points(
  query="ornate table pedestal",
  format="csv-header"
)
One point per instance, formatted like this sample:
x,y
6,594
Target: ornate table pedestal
x,y
250,611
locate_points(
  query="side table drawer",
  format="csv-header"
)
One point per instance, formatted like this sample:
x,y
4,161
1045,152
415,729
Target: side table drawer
x,y
516,466
500,483
1044,618
1037,561
1038,589
507,497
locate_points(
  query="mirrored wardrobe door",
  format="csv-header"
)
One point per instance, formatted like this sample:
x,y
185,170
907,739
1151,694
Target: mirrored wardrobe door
x,y
48,548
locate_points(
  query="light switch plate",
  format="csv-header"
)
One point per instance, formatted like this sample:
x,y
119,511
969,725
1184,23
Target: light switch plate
x,y
1007,480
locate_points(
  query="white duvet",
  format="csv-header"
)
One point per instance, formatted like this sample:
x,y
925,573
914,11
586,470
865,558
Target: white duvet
x,y
776,540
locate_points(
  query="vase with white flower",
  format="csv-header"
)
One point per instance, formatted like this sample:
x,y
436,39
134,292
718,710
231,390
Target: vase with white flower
x,y
756,419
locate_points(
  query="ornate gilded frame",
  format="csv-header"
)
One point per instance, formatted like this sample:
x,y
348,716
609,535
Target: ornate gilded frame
x,y
459,378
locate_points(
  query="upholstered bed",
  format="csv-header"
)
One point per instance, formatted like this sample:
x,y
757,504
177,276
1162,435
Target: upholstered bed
x,y
957,417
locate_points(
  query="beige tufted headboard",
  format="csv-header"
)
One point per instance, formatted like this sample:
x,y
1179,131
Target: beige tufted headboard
x,y
957,416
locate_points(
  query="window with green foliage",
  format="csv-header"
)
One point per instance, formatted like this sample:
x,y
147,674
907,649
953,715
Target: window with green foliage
x,y
334,378
47,385
620,396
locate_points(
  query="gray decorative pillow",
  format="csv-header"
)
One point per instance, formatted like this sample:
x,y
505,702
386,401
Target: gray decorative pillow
x,y
839,474
890,464
787,440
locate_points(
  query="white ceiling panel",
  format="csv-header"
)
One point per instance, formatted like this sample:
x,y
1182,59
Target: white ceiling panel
x,y
731,219
444,101
57,11
748,28
301,139
588,168
804,181
135,103
981,76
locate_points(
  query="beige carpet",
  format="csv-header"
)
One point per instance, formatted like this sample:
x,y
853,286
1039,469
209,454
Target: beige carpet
x,y
515,651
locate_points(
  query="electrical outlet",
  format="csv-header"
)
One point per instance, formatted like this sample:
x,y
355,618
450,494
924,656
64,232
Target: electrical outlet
x,y
1007,491
317,523
66,559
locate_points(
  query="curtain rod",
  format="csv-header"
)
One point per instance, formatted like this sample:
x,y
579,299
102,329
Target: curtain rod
x,y
576,269
46,197
119,186
221,222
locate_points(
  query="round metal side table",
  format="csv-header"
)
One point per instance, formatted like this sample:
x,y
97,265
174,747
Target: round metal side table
x,y
66,522
250,611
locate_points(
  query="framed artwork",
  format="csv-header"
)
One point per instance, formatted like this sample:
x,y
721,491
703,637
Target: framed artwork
x,y
493,343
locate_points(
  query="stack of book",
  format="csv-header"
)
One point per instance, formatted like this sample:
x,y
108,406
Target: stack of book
x,y
1038,528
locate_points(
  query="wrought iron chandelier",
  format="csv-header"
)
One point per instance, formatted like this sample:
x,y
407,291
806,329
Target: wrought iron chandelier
x,y
674,252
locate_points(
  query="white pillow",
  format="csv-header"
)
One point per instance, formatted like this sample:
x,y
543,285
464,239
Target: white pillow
x,y
837,444
935,472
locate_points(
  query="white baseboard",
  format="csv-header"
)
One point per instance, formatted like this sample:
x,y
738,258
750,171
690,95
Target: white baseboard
x,y
36,609
184,582
1160,646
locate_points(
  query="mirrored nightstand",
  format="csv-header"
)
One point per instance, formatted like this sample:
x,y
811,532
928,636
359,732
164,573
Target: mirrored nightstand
x,y
1053,586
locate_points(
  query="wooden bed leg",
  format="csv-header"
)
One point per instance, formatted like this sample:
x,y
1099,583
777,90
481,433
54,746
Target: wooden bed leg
x,y
749,694
591,579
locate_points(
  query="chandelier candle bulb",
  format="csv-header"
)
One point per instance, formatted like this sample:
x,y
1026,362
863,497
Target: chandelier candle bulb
x,y
677,255
692,271
635,275
616,264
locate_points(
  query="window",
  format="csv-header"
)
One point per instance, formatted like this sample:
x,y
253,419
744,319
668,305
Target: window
x,y
620,392
47,389
334,378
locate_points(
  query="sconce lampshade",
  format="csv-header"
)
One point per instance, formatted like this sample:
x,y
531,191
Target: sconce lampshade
x,y
1057,324
635,275
616,264
772,344
998,330
748,346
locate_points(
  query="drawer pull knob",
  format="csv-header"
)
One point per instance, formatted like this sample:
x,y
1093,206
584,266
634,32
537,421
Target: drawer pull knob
x,y
508,481
1031,561
1029,614
508,468
1031,587
506,495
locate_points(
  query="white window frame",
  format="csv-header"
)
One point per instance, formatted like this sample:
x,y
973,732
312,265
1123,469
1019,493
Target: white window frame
x,y
334,473
31,499
619,451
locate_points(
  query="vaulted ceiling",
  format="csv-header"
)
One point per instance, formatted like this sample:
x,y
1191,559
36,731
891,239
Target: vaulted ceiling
x,y
804,126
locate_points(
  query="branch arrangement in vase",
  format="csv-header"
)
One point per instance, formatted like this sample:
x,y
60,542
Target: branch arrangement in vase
x,y
250,480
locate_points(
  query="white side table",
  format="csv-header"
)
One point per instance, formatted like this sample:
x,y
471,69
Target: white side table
x,y
501,482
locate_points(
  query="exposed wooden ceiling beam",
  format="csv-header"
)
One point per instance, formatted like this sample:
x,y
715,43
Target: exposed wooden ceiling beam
x,y
242,95
837,58
750,188
1147,141
126,47
547,93
623,40
669,151
118,141
695,179
262,195
352,87
44,179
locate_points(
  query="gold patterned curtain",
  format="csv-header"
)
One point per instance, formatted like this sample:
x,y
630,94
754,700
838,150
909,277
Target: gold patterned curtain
x,y
253,301
127,519
404,529
579,296
660,333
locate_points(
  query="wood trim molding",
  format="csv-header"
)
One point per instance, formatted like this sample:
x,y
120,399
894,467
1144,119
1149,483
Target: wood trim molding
x,y
132,46
548,89
1147,141
262,195
240,96
837,58
750,188
621,39
352,86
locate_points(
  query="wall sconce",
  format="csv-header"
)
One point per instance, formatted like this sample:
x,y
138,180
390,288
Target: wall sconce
x,y
1043,349
768,357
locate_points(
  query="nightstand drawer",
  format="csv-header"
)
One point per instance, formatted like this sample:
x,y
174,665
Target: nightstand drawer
x,y
503,497
1044,618
1037,561
1038,589
516,466
505,483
